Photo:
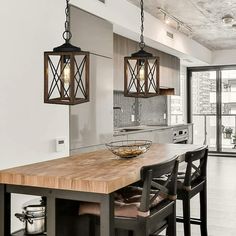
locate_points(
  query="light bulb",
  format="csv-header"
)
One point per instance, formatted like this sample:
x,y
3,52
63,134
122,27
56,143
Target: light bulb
x,y
66,73
65,77
142,73
166,19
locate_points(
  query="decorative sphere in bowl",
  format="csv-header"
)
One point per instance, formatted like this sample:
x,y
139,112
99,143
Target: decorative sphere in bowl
x,y
129,148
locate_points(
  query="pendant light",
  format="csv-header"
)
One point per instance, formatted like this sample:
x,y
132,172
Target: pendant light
x,y
141,78
66,71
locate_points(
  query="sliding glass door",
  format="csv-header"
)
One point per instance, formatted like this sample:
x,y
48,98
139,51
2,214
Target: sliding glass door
x,y
203,104
212,107
228,111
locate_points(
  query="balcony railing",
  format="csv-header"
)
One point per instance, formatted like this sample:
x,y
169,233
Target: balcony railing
x,y
205,131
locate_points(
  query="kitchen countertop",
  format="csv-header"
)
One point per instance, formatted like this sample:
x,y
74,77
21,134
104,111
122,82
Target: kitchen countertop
x,y
145,128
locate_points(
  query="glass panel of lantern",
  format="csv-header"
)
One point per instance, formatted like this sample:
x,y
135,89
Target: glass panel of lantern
x,y
141,76
66,77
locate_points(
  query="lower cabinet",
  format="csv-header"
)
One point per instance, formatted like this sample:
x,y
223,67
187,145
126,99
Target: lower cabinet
x,y
142,136
156,136
163,136
120,137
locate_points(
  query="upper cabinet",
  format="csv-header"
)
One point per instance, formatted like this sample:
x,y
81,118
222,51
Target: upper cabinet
x,y
170,72
91,123
122,47
169,65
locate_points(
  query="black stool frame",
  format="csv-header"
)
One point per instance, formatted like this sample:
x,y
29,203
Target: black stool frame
x,y
153,220
195,181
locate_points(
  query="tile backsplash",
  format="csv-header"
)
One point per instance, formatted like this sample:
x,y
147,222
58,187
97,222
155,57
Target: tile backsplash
x,y
136,111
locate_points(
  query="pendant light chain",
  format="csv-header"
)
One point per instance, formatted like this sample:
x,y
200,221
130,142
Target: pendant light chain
x,y
67,35
66,70
141,77
142,44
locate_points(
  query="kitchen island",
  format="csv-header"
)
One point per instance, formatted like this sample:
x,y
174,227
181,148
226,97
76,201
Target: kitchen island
x,y
89,177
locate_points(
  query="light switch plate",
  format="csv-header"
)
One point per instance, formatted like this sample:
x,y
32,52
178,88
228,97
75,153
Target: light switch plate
x,y
60,144
164,116
132,118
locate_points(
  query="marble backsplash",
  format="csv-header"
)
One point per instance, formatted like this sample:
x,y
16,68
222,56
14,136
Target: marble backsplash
x,y
139,111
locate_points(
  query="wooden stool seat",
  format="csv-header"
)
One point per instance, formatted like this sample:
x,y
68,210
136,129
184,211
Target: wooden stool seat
x,y
127,203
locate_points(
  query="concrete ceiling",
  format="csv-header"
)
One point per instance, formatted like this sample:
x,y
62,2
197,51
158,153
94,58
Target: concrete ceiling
x,y
204,17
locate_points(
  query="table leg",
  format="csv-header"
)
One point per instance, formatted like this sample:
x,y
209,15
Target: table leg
x,y
5,211
107,216
51,215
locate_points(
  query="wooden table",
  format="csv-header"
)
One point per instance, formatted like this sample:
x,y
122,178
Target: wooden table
x,y
90,177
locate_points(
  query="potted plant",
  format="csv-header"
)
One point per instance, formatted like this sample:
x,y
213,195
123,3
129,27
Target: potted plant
x,y
234,138
228,132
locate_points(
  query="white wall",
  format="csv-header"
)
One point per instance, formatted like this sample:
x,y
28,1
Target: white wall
x,y
28,127
126,20
224,57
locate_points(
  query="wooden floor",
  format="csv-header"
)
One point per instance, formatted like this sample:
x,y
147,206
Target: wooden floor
x,y
221,199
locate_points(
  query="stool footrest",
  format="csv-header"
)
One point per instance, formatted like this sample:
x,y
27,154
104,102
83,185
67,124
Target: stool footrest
x,y
193,221
159,231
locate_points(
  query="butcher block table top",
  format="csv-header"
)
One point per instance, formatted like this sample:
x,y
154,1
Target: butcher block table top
x,y
98,172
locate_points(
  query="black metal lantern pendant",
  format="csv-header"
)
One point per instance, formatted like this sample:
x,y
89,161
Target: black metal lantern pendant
x,y
66,71
141,70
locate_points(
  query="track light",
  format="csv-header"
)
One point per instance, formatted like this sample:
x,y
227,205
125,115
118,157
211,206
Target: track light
x,y
180,24
166,19
227,19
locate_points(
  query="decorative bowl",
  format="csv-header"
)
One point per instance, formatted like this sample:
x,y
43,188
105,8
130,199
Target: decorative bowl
x,y
129,148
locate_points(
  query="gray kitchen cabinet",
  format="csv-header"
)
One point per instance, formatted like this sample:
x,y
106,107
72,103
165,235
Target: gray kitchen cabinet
x,y
120,137
170,72
122,47
91,123
91,33
156,136
165,70
148,135
163,136
176,75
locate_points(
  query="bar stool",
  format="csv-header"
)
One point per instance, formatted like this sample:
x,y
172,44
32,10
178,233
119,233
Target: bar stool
x,y
147,208
190,183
